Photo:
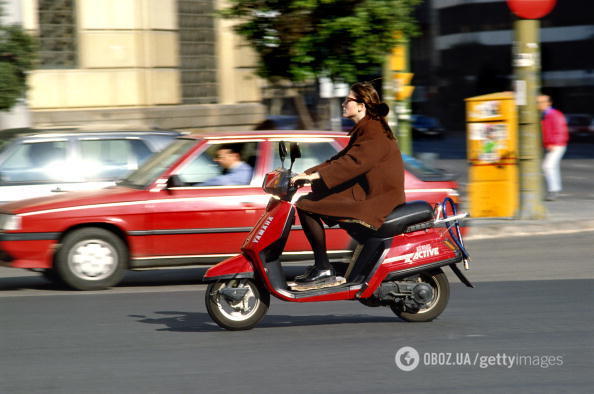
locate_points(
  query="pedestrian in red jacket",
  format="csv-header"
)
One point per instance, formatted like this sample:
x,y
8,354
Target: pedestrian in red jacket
x,y
554,138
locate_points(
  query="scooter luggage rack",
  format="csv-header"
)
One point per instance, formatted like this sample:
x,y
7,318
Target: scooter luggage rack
x,y
452,224
446,219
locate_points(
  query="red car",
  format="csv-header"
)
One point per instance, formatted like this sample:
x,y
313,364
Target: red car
x,y
160,215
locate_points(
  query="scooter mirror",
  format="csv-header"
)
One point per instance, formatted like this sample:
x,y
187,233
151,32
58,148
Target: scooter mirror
x,y
282,152
295,153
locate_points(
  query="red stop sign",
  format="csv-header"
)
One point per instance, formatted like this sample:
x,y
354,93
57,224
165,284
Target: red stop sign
x,y
531,9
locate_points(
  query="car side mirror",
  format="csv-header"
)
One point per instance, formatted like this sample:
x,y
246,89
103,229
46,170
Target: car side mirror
x,y
174,181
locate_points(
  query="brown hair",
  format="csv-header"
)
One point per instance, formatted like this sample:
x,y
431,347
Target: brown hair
x,y
366,94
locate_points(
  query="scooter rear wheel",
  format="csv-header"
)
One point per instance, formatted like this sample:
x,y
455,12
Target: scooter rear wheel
x,y
242,314
441,294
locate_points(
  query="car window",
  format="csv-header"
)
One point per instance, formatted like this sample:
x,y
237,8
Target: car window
x,y
423,171
204,170
35,162
112,158
140,150
312,154
157,164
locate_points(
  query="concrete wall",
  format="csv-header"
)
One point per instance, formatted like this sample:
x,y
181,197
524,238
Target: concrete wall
x,y
128,71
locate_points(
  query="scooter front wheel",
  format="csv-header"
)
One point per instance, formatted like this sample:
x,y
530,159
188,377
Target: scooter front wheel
x,y
441,293
236,304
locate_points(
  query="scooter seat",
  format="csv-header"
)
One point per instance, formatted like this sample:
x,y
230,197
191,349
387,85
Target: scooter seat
x,y
403,216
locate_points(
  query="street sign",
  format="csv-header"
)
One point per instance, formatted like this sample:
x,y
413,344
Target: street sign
x,y
531,9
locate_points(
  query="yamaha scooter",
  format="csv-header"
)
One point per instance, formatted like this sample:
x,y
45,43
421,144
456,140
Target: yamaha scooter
x,y
398,265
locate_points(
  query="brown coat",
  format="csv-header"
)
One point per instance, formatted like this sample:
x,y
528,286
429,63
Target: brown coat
x,y
364,181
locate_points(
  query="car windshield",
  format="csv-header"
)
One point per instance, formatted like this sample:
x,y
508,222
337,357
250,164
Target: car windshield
x,y
156,165
425,172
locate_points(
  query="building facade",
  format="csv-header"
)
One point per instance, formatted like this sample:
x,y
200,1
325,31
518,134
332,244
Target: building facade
x,y
151,63
468,51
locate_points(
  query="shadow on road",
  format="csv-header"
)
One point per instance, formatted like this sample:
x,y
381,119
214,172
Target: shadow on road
x,y
133,279
30,283
201,322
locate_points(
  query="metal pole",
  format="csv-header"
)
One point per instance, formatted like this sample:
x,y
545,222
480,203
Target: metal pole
x,y
404,109
388,87
527,72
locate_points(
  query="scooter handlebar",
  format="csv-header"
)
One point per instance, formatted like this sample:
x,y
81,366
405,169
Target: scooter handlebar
x,y
300,183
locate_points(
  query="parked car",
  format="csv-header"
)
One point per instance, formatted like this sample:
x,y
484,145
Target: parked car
x,y
426,126
580,126
37,163
160,215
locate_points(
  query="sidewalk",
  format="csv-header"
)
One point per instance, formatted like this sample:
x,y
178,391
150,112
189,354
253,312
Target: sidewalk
x,y
564,216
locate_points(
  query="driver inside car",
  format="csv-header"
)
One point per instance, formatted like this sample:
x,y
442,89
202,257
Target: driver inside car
x,y
234,170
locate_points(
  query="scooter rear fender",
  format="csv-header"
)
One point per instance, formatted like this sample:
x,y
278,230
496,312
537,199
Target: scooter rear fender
x,y
237,267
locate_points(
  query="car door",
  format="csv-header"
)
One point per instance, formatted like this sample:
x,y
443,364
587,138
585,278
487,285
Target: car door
x,y
34,167
195,223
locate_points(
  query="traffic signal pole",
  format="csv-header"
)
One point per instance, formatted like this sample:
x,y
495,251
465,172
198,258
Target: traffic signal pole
x,y
403,107
526,73
397,92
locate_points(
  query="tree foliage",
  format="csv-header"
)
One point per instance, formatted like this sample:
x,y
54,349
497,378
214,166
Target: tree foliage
x,y
298,40
17,56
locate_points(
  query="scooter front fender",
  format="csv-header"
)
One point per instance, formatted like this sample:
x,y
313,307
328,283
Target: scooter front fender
x,y
237,267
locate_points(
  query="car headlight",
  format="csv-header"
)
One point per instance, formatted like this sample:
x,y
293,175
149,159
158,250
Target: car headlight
x,y
9,222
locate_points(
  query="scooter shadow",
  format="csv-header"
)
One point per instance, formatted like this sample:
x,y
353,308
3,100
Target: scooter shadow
x,y
201,322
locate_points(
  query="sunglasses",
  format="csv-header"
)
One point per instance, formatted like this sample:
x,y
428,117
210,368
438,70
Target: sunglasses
x,y
348,99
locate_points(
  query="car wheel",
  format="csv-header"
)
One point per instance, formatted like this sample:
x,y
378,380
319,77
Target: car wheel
x,y
91,259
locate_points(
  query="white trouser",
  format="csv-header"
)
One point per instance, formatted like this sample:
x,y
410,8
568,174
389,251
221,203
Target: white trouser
x,y
551,167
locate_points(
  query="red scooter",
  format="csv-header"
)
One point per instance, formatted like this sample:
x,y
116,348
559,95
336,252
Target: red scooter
x,y
399,265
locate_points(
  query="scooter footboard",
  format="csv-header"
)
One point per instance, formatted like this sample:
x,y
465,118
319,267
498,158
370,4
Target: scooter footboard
x,y
237,267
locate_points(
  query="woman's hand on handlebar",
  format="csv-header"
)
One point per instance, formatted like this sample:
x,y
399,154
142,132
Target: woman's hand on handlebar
x,y
302,179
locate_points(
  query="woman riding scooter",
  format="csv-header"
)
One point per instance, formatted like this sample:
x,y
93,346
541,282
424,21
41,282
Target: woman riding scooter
x,y
358,187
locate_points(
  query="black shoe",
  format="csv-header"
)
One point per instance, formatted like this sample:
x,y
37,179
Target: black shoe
x,y
305,274
317,274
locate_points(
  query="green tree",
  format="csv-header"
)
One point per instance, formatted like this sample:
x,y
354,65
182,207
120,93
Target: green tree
x,y
17,56
300,40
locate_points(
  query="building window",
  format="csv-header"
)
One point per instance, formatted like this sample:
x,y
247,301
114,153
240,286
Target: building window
x,y
197,51
57,34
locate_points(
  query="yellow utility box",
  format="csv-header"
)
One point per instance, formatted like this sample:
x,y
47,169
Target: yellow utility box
x,y
492,145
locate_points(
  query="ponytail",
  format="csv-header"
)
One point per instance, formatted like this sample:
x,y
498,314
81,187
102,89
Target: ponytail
x,y
379,112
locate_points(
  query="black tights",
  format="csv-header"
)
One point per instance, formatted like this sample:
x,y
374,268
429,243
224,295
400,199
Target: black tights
x,y
314,231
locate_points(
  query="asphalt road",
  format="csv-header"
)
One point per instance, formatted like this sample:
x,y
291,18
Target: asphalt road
x,y
533,303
